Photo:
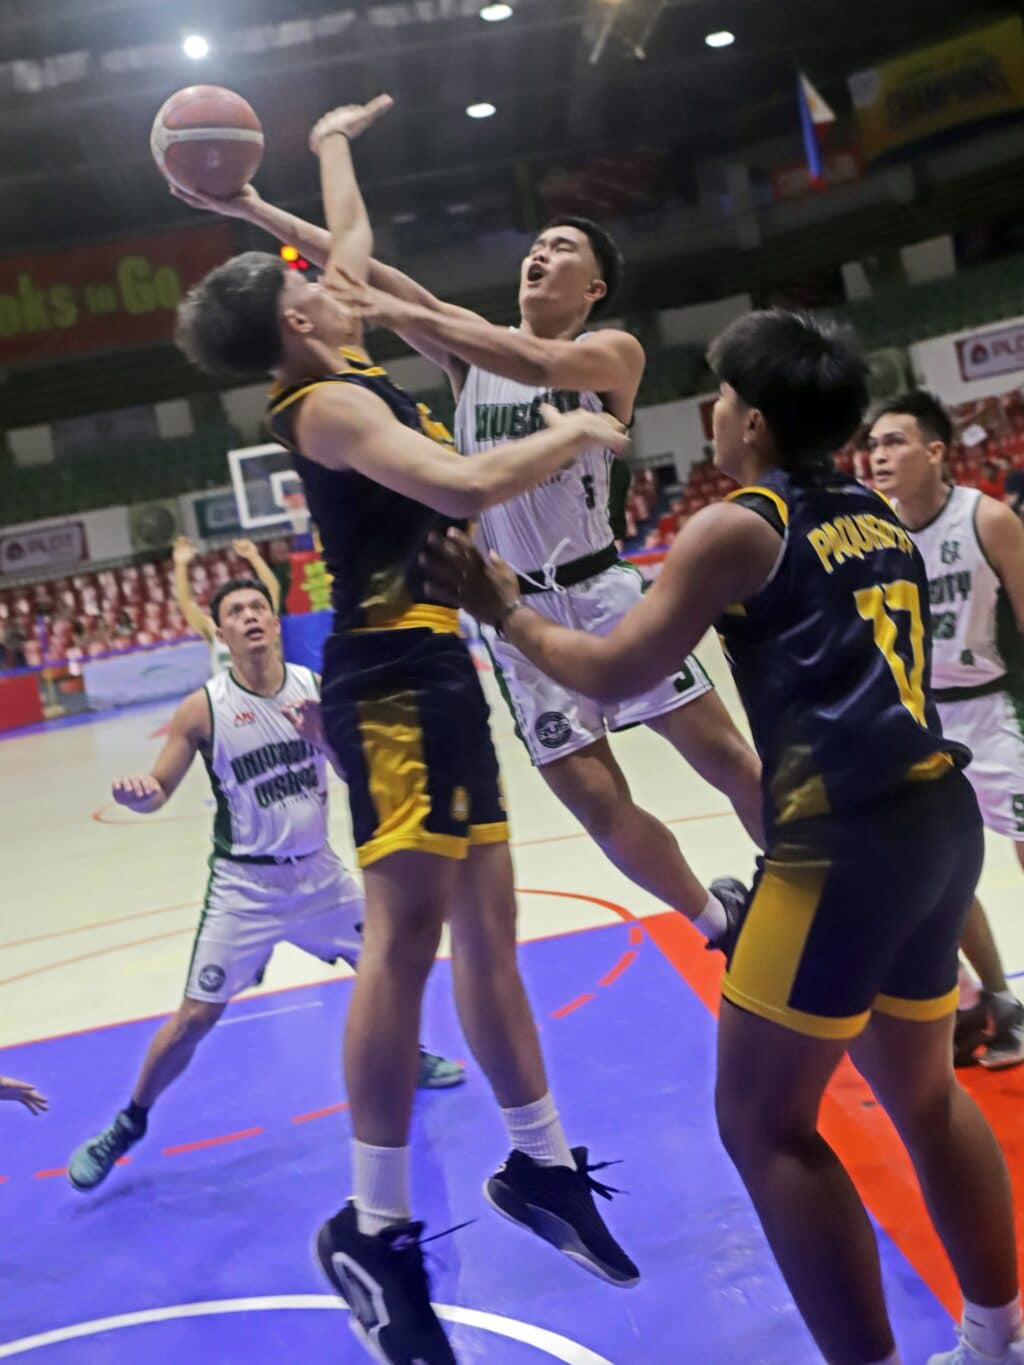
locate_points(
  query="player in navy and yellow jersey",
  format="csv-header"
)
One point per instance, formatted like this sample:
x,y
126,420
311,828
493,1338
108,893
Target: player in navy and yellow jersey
x,y
849,942
405,715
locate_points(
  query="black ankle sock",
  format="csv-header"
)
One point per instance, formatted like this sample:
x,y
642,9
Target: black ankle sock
x,y
136,1113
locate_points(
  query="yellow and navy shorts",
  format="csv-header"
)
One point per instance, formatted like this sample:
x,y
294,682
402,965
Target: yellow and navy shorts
x,y
862,911
406,716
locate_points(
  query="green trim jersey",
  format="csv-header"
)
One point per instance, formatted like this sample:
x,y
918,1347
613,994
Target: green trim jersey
x,y
270,785
566,517
965,594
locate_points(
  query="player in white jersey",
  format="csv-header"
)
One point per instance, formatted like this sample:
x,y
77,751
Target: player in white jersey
x,y
973,549
559,535
201,621
273,876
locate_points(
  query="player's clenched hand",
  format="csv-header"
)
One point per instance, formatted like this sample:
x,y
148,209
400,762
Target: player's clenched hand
x,y
460,576
245,549
23,1093
590,428
138,793
184,551
349,119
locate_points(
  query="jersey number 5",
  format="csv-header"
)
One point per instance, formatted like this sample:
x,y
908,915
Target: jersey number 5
x,y
875,605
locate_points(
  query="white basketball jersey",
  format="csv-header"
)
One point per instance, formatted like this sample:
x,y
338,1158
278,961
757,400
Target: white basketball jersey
x,y
220,657
964,591
269,784
564,518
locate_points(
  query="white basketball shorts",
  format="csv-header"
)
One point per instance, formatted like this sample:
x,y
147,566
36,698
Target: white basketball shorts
x,y
314,903
993,729
551,720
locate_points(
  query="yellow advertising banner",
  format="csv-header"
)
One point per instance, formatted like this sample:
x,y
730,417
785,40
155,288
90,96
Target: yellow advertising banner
x,y
979,75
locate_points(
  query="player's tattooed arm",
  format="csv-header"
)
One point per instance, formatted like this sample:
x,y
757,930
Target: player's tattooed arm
x,y
190,729
724,555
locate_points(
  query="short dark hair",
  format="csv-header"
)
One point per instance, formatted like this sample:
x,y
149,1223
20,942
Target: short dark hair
x,y
229,322
609,257
810,382
236,585
926,410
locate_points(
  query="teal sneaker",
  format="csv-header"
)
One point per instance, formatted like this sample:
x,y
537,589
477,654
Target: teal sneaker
x,y
437,1073
91,1163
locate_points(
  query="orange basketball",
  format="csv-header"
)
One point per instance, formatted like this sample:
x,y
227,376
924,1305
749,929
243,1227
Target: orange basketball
x,y
208,139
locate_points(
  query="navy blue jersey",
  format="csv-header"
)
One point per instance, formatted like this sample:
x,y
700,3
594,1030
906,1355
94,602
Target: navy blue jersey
x,y
832,657
371,536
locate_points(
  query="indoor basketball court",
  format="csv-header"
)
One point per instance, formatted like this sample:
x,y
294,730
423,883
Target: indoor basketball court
x,y
709,160
200,1243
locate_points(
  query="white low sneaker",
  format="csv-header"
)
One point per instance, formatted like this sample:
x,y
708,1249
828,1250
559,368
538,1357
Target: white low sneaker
x,y
966,1354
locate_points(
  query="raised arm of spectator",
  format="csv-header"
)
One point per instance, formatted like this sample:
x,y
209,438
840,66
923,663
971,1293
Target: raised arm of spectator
x,y
247,550
183,554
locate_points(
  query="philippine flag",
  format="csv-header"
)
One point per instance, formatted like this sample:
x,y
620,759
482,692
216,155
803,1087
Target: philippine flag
x,y
816,118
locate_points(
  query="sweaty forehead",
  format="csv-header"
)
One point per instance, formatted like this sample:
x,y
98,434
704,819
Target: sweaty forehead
x,y
242,601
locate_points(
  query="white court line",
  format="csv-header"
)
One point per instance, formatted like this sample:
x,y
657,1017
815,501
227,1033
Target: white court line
x,y
555,1346
265,1014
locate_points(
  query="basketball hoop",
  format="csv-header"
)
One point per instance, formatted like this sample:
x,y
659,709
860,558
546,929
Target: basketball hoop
x,y
297,511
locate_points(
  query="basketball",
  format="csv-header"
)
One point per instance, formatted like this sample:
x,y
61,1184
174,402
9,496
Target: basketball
x,y
207,139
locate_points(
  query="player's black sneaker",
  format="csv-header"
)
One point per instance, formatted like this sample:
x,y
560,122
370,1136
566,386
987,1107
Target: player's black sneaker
x,y
969,1032
558,1204
383,1280
735,899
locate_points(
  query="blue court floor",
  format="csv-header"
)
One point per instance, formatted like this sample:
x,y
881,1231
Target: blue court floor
x,y
198,1249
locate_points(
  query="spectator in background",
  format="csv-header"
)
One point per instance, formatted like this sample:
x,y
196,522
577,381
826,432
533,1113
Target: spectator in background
x,y
14,644
199,620
992,481
1013,486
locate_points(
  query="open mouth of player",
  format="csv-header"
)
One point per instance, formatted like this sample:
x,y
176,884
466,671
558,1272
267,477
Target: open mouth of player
x,y
254,633
535,274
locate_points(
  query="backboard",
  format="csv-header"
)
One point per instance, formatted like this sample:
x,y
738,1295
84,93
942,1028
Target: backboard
x,y
262,478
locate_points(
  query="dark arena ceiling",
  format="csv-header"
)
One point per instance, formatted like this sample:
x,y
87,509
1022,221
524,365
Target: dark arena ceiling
x,y
80,81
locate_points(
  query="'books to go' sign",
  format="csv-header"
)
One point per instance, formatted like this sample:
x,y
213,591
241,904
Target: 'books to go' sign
x,y
107,296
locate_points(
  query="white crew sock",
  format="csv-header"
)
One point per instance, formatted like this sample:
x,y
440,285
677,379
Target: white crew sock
x,y
992,1330
711,921
970,991
536,1130
381,1176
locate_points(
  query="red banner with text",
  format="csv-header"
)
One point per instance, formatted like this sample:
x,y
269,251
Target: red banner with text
x,y
107,296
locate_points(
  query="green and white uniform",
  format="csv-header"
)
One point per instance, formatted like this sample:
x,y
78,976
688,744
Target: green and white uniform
x,y
973,632
559,539
273,876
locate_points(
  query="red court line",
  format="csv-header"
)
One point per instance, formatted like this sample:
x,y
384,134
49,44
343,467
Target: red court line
x,y
211,1142
4,1179
573,1005
85,957
48,1175
636,935
623,965
101,924
319,1113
